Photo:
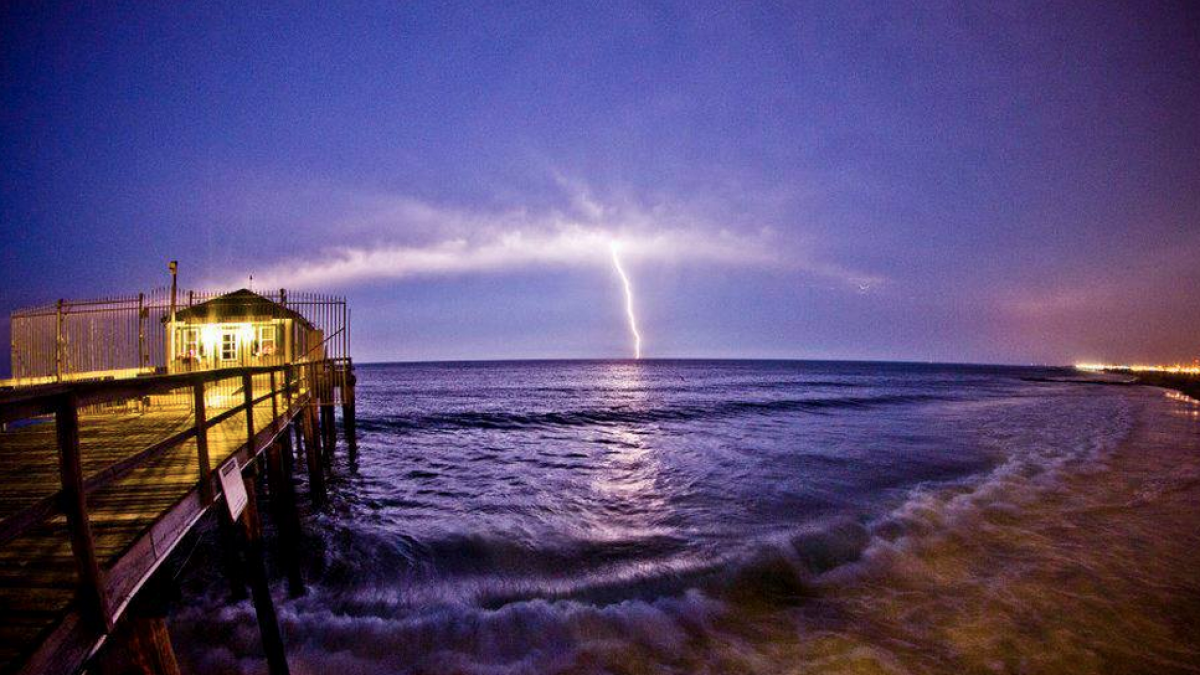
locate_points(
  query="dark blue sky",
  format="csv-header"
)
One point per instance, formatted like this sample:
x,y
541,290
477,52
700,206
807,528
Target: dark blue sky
x,y
836,180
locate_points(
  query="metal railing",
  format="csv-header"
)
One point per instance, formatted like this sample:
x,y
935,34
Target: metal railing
x,y
125,336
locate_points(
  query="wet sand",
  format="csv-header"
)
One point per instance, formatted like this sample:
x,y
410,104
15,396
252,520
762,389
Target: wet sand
x,y
1097,574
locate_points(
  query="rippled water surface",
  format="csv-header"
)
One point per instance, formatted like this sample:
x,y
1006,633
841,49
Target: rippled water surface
x,y
742,517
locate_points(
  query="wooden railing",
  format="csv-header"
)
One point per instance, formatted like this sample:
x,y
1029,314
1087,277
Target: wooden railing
x,y
64,401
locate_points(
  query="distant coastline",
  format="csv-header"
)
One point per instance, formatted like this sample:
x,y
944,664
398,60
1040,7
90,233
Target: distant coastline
x,y
1186,384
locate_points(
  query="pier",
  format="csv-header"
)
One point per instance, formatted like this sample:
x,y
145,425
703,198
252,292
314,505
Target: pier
x,y
104,473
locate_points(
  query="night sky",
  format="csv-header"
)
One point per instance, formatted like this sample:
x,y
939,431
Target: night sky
x,y
1012,184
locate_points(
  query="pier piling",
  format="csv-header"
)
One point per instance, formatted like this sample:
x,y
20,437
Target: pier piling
x,y
284,502
328,429
234,571
349,421
141,642
286,451
297,433
256,571
312,455
141,645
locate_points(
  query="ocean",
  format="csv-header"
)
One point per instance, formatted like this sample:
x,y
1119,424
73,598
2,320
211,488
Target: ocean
x,y
739,517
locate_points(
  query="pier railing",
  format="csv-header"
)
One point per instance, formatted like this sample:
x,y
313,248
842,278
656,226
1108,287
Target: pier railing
x,y
128,335
176,410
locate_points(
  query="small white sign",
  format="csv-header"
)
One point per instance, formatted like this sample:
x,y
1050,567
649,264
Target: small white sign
x,y
233,487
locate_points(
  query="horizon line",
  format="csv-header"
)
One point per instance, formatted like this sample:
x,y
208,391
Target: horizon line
x,y
645,359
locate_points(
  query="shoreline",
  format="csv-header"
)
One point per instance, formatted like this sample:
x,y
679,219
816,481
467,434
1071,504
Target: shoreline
x,y
1185,384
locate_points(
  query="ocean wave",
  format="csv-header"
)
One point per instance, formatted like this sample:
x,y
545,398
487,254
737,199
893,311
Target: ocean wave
x,y
655,615
379,576
526,638
617,416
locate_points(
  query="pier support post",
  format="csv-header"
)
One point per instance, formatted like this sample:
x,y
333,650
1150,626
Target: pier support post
x,y
312,455
298,432
286,450
283,500
256,570
141,642
141,645
328,429
312,436
285,437
230,543
349,422
320,440
143,648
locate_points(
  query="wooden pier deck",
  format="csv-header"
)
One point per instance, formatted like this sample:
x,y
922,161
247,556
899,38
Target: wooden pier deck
x,y
144,473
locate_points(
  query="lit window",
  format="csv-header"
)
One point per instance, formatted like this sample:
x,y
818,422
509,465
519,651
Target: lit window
x,y
229,346
266,340
191,343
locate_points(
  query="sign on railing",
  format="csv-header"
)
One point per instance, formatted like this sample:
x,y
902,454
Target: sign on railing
x,y
233,487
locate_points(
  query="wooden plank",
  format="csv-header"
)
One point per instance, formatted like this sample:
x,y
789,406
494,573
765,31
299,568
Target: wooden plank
x,y
63,649
122,468
23,521
140,557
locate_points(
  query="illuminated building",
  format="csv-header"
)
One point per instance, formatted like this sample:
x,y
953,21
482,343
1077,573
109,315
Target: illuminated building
x,y
237,329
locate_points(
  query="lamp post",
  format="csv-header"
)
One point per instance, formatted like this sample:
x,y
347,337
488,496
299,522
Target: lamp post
x,y
174,267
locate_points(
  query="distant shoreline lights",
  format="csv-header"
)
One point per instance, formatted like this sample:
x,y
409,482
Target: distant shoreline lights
x,y
1176,369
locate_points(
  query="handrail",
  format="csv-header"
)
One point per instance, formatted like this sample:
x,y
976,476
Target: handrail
x,y
322,343
38,400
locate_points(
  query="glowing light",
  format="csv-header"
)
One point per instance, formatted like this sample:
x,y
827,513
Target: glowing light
x,y
1177,369
209,334
637,337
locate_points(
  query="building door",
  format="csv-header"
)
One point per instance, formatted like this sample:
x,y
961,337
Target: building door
x,y
228,350
190,351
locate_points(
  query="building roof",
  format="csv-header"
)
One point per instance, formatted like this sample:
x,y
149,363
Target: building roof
x,y
241,305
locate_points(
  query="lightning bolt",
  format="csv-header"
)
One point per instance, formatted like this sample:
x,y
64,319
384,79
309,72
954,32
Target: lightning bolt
x,y
637,337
